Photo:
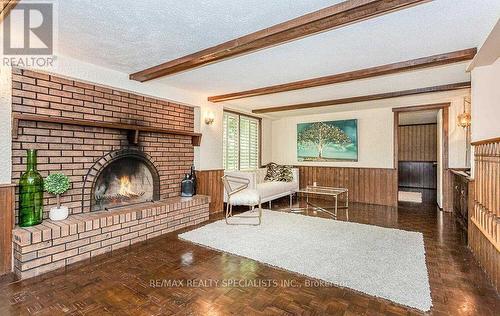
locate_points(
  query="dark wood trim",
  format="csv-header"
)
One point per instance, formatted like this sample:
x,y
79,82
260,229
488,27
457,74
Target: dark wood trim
x,y
413,64
396,144
486,141
133,129
372,97
335,16
425,107
7,6
6,224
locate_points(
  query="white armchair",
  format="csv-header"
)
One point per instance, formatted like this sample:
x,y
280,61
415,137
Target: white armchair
x,y
238,193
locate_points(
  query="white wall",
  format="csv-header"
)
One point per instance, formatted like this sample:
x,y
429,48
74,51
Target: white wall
x,y
267,143
375,131
5,124
485,102
207,156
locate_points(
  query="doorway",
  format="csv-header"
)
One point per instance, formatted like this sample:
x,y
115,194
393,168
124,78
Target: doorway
x,y
421,154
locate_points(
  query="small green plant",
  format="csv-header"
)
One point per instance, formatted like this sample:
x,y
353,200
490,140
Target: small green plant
x,y
56,183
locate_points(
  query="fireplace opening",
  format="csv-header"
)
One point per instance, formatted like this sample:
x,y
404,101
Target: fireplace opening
x,y
128,179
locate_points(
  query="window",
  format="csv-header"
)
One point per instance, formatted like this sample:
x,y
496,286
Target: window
x,y
241,142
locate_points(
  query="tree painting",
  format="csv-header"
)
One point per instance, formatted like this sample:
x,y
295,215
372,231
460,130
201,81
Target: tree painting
x,y
327,141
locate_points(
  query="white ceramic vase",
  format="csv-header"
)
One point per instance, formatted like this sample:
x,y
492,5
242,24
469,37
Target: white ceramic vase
x,y
58,213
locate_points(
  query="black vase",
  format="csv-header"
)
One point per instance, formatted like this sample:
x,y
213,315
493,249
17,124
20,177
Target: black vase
x,y
187,186
193,177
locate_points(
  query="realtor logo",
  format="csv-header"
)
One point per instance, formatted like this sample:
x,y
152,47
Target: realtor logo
x,y
28,30
29,35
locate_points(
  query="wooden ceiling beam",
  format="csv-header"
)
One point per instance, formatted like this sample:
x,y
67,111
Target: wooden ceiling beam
x,y
413,64
5,7
372,97
335,16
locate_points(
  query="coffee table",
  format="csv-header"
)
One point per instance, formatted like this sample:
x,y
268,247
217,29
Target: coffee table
x,y
320,190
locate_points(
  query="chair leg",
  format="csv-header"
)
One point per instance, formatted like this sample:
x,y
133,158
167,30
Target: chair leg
x,y
227,212
260,213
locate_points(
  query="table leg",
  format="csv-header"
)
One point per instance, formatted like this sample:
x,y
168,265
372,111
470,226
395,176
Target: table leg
x,y
346,199
336,200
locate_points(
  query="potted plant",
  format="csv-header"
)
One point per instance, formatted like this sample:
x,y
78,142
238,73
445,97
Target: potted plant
x,y
57,184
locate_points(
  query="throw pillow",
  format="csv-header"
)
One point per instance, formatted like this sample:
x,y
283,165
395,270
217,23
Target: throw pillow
x,y
286,174
273,172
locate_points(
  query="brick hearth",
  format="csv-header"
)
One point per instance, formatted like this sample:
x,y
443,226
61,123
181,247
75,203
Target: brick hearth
x,y
52,245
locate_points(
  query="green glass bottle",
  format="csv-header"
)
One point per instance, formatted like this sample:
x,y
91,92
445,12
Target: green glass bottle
x,y
30,193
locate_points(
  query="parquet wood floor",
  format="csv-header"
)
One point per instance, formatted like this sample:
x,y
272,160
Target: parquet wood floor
x,y
121,283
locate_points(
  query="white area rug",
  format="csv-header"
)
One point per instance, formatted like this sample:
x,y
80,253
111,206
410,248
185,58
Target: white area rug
x,y
407,196
383,262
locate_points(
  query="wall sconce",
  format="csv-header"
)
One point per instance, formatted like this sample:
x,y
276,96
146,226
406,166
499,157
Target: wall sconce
x,y
464,118
464,121
209,118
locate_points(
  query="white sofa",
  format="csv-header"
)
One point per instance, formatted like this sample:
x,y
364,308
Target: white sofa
x,y
268,190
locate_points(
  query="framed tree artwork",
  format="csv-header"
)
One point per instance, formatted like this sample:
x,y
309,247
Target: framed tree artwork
x,y
328,141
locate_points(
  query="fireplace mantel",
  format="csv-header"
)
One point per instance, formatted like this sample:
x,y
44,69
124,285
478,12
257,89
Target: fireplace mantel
x,y
133,130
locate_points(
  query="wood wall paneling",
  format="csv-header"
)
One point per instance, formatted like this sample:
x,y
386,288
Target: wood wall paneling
x,y
6,225
417,174
417,142
366,185
484,218
210,183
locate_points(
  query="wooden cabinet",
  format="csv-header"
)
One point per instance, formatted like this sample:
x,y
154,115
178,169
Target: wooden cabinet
x,y
460,197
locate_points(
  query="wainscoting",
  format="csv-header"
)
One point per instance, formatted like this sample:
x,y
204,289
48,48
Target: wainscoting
x,y
484,219
6,224
366,185
210,183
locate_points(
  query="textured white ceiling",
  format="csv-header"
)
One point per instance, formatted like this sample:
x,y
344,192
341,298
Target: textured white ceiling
x,y
131,35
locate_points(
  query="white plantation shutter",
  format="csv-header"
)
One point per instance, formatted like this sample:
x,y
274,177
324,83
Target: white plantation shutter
x,y
241,142
249,143
231,142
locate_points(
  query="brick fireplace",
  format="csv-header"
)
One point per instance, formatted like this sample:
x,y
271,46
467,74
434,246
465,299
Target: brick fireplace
x,y
107,169
73,150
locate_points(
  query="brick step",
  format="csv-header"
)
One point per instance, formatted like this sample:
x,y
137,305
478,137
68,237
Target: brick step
x,y
55,244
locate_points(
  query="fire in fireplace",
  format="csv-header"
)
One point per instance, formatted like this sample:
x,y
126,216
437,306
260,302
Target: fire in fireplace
x,y
129,178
